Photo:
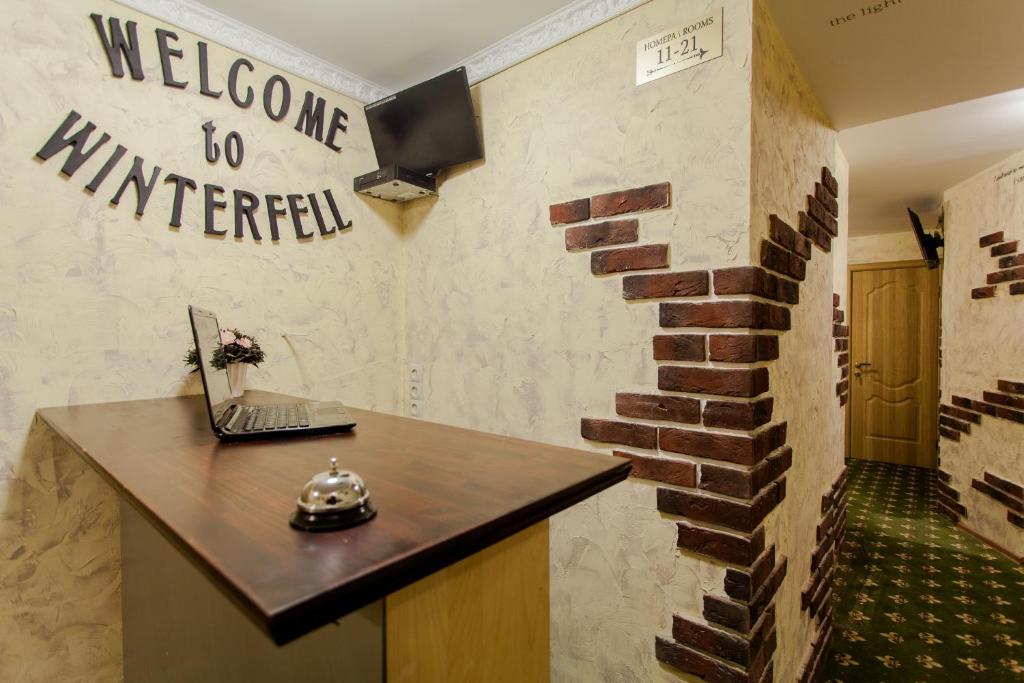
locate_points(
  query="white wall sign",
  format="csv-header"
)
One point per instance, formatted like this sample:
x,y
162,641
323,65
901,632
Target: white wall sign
x,y
679,48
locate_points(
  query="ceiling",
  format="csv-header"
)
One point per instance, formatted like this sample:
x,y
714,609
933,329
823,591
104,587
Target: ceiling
x,y
886,80
911,56
885,77
392,43
908,161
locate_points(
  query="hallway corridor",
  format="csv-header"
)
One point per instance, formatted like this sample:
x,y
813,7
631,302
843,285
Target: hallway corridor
x,y
916,599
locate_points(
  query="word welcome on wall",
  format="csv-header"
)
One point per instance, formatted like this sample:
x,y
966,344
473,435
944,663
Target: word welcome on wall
x,y
122,47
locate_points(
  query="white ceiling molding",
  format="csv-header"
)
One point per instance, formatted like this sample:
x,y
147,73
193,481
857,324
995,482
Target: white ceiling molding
x,y
199,19
573,19
559,26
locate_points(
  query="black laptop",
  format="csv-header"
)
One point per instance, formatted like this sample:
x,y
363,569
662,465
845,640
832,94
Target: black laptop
x,y
235,422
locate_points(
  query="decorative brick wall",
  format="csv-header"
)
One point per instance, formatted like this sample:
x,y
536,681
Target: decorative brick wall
x,y
719,485
816,597
1007,493
948,498
841,334
1010,262
958,420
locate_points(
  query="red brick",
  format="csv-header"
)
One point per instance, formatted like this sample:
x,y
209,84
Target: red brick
x,y
815,231
785,236
842,344
983,292
999,495
1011,261
948,490
728,547
990,239
818,211
658,407
1017,288
601,234
1005,485
952,423
840,330
774,257
742,585
1011,387
822,194
1004,249
664,470
962,402
842,387
734,448
1006,413
690,661
624,433
952,504
738,415
569,212
944,476
743,348
1004,400
732,514
1005,276
757,281
729,481
843,359
837,315
829,181
1015,519
628,201
740,382
725,314
629,258
835,299
679,347
704,638
655,285
949,433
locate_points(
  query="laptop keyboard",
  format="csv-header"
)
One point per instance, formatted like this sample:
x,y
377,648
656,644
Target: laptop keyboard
x,y
283,416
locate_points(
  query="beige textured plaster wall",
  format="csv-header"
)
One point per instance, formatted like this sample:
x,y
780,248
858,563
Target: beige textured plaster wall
x,y
982,341
792,140
92,300
518,337
841,247
895,246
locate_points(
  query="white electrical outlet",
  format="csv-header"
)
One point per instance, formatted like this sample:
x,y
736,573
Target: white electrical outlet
x,y
415,373
415,392
414,409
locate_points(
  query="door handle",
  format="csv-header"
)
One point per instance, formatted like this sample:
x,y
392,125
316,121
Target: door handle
x,y
862,365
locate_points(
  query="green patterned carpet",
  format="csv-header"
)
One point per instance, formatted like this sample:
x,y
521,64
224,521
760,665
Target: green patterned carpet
x,y
915,598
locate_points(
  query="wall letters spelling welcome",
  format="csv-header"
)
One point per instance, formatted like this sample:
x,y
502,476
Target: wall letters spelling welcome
x,y
120,48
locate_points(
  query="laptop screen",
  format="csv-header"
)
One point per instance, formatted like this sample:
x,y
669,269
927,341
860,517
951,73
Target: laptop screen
x,y
207,338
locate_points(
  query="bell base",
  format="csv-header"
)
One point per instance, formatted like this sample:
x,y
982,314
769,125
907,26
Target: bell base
x,y
306,521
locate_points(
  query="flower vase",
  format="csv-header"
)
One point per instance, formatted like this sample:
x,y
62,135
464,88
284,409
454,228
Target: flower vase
x,y
236,378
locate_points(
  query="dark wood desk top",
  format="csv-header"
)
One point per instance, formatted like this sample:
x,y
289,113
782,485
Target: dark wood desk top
x,y
443,493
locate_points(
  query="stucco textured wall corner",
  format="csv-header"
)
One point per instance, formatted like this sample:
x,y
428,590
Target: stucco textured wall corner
x,y
792,140
982,344
93,300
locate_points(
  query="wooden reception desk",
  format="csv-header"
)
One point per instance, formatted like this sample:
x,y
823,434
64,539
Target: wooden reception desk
x,y
448,583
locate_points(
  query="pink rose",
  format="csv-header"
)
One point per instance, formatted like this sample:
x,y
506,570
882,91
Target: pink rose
x,y
244,343
227,337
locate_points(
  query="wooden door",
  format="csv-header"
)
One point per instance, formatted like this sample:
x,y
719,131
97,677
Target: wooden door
x,y
894,339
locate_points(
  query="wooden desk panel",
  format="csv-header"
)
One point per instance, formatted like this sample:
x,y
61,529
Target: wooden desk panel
x,y
443,493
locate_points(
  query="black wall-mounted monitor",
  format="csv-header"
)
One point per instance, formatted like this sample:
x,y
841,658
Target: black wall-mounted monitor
x,y
427,127
929,243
